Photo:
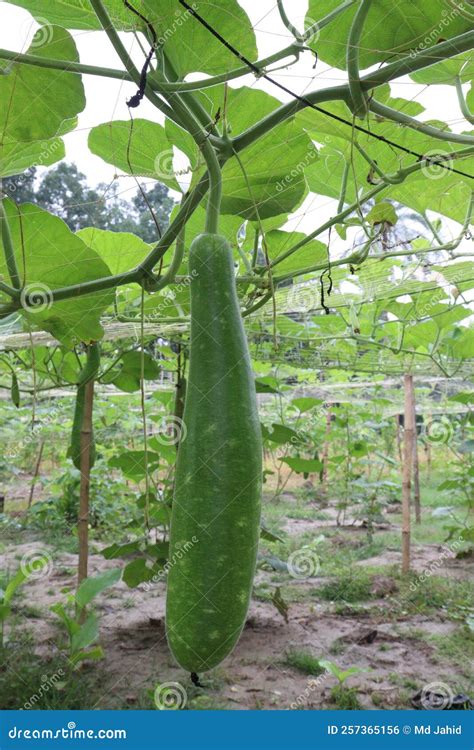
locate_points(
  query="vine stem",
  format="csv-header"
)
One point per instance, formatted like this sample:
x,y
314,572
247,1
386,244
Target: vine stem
x,y
200,137
9,251
402,119
293,50
466,112
357,93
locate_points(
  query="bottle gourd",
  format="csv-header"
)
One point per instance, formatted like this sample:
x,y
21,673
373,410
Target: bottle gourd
x,y
215,520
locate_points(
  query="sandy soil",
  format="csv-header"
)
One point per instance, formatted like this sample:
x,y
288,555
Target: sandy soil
x,y
255,675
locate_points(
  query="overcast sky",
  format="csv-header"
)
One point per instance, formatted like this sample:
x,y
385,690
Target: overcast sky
x,y
106,98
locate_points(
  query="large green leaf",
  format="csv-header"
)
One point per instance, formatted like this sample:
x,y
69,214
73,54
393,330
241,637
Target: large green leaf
x,y
140,147
50,256
391,28
191,46
269,178
79,14
16,157
35,103
122,251
94,585
446,71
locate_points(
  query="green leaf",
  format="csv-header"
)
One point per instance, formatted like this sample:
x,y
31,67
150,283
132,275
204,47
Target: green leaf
x,y
269,175
306,403
35,103
281,434
50,256
121,550
122,251
303,465
86,635
446,71
94,585
268,535
23,573
390,29
76,14
16,157
190,46
382,213
137,572
140,148
15,391
129,377
135,464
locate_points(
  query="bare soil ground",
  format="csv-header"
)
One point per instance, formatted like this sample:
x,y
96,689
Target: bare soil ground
x,y
399,653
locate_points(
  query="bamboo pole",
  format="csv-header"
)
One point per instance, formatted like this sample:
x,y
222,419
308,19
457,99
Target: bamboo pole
x,y
83,519
406,475
399,442
325,456
36,472
416,465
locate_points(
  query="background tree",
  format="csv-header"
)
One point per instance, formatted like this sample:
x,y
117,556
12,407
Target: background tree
x,y
64,191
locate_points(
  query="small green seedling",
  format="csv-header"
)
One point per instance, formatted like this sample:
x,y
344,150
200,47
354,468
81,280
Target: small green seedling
x,y
83,629
6,595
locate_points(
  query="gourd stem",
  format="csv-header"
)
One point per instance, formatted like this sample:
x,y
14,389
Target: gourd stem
x,y
134,74
391,179
358,95
213,167
403,119
342,194
364,198
189,99
463,103
9,250
287,23
123,75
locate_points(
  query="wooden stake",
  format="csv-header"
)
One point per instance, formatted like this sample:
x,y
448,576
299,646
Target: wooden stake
x,y
325,456
399,442
406,476
36,472
83,519
416,467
